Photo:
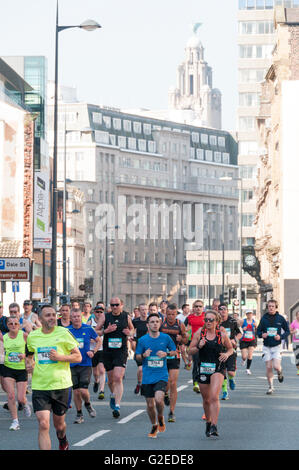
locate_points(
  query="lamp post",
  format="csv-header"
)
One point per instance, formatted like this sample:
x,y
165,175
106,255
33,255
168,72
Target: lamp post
x,y
229,178
88,25
209,212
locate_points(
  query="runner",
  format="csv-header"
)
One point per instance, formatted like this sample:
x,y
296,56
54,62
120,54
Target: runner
x,y
163,308
14,311
81,371
294,329
87,307
183,347
152,349
214,348
195,321
177,332
14,371
65,318
234,333
140,326
116,327
248,340
53,348
30,316
270,329
215,304
98,368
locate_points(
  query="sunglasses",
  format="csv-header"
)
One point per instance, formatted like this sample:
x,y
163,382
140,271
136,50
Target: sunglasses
x,y
13,311
12,324
210,320
198,306
114,305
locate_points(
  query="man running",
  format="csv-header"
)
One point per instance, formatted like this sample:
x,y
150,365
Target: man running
x,y
81,372
87,307
116,327
234,333
65,319
30,316
53,348
140,329
183,347
270,329
98,368
248,341
153,349
177,332
193,322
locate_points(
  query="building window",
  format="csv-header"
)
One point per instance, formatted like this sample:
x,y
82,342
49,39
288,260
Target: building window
x,y
192,292
200,154
101,137
195,137
217,156
142,145
248,99
127,125
204,139
117,124
247,123
122,141
152,146
225,157
221,141
107,121
97,118
213,140
209,155
247,220
137,127
248,147
132,143
147,129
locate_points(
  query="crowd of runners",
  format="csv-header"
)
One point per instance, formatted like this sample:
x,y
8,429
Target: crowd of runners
x,y
60,356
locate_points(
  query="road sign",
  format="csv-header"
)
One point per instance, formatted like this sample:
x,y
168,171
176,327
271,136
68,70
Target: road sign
x,y
14,269
15,286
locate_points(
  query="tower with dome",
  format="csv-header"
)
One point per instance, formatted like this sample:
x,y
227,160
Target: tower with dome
x,y
194,100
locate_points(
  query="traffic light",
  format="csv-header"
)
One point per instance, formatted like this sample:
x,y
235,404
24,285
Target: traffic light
x,y
225,297
243,297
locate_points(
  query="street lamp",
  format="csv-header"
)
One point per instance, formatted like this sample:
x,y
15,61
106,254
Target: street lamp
x,y
88,25
209,212
229,178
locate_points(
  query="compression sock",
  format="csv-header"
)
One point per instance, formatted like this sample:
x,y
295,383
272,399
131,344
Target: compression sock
x,y
249,361
224,385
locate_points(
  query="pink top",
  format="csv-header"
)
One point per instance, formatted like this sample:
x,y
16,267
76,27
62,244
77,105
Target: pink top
x,y
295,326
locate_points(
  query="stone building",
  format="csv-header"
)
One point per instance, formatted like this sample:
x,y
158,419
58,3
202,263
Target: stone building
x,y
278,191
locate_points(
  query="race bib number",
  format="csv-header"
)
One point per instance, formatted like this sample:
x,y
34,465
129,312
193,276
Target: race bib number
x,y
81,342
207,368
272,331
13,357
155,362
115,343
248,335
43,355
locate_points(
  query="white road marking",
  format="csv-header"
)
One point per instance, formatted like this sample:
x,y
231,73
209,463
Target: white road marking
x,y
181,387
131,416
91,438
190,381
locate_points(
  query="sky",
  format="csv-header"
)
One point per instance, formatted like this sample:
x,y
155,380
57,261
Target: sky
x,y
132,60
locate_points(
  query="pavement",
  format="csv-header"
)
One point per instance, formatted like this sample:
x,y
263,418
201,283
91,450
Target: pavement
x,y
249,420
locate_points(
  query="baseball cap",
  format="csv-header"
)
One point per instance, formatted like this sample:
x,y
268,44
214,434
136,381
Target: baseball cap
x,y
27,302
249,311
220,306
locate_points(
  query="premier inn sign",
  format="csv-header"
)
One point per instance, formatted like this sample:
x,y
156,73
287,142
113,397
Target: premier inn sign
x,y
42,238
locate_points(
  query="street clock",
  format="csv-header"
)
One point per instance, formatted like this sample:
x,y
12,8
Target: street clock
x,y
250,261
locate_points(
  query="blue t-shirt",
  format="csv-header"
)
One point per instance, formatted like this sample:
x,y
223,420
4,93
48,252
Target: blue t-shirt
x,y
154,368
83,335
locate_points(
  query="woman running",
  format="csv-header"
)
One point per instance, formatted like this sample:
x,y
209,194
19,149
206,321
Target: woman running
x,y
14,372
214,348
248,341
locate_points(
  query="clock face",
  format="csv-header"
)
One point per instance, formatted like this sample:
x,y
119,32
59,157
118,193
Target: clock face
x,y
250,260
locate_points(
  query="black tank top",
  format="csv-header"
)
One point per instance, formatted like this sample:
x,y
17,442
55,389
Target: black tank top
x,y
116,340
210,352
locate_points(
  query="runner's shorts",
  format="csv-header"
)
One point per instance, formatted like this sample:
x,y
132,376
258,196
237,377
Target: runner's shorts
x,y
248,344
149,390
231,363
19,375
173,363
97,358
81,376
271,353
52,400
115,359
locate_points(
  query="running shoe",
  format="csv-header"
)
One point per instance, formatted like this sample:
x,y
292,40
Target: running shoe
x,y
91,411
270,391
154,432
196,387
166,399
232,384
79,419
161,424
248,371
208,427
137,389
189,365
224,395
213,431
171,417
27,410
116,411
112,402
280,376
64,445
101,396
95,387
15,426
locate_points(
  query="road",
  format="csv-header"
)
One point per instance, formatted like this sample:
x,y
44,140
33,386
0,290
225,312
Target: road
x,y
248,420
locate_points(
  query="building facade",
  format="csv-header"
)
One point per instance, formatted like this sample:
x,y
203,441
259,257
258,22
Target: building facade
x,y
278,194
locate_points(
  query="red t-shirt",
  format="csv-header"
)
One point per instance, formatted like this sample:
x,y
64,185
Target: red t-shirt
x,y
196,322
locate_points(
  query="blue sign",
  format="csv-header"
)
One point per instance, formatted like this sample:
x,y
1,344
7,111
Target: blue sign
x,y
2,263
16,286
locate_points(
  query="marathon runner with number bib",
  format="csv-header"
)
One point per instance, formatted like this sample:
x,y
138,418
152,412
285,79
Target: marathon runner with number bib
x,y
248,341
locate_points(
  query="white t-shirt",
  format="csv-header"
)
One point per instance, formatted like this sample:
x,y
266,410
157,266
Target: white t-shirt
x,y
182,317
